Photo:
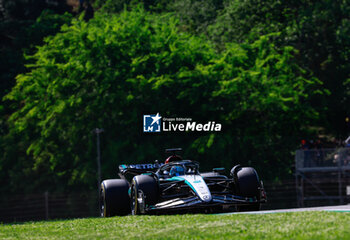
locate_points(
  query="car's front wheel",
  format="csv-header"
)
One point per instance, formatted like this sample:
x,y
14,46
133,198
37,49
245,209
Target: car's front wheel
x,y
144,192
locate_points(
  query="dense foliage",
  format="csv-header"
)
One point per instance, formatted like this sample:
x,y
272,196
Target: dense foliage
x,y
319,30
261,69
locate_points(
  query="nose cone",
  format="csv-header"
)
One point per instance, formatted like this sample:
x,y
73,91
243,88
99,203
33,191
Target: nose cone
x,y
206,198
199,186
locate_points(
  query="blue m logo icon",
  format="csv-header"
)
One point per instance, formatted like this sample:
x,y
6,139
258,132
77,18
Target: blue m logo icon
x,y
151,123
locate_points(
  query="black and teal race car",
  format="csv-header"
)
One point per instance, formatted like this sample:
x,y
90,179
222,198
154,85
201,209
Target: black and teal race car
x,y
177,186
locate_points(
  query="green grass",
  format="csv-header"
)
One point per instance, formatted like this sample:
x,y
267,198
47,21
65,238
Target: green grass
x,y
300,225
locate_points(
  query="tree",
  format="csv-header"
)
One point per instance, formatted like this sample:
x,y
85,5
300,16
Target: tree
x,y
196,16
317,30
23,26
110,71
20,32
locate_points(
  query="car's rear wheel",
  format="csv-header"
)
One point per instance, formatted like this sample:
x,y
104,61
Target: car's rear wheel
x,y
144,192
114,198
248,185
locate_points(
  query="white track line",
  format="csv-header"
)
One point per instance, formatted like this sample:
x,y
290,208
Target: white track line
x,y
341,208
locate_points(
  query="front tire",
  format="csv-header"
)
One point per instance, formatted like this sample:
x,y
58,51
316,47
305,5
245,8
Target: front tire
x,y
144,192
114,198
248,185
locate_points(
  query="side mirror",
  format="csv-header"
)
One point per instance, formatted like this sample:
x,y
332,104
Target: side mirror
x,y
234,170
219,170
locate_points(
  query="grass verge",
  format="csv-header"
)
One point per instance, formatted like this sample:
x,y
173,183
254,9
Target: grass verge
x,y
297,225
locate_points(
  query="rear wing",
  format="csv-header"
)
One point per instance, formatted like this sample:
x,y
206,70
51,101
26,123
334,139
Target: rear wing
x,y
137,169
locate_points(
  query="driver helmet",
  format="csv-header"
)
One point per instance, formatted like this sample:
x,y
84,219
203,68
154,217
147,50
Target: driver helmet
x,y
177,171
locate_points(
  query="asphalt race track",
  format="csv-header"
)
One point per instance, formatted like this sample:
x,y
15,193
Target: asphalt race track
x,y
341,208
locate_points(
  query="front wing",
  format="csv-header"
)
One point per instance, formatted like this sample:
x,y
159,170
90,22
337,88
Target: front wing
x,y
194,202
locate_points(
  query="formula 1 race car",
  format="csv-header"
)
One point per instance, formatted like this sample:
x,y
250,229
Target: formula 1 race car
x,y
177,186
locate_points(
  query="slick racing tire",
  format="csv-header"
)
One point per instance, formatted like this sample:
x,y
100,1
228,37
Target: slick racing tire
x,y
144,192
248,183
114,198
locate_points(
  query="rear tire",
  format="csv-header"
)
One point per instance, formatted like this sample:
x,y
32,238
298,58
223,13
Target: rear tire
x,y
144,188
114,198
248,185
